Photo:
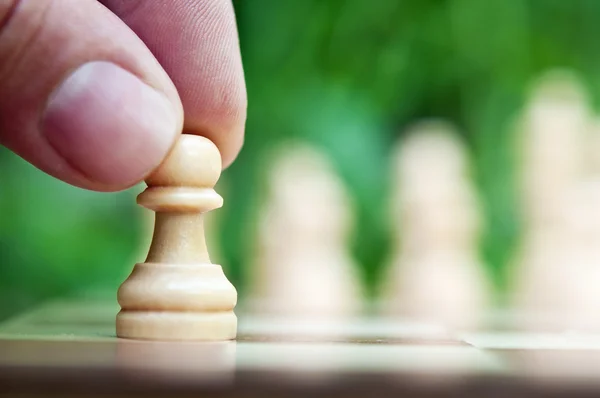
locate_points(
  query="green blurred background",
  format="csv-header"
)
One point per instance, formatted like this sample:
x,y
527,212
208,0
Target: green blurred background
x,y
349,76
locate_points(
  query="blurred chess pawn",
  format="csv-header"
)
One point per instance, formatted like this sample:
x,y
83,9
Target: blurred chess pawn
x,y
555,136
303,267
435,273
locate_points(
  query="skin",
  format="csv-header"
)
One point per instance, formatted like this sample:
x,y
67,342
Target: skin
x,y
77,78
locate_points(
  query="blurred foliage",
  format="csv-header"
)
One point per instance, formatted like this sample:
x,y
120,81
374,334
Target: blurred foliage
x,y
349,76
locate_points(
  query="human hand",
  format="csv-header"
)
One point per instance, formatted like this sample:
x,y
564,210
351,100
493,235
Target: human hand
x,y
94,92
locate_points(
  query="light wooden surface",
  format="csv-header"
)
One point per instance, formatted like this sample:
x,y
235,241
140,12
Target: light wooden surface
x,y
69,346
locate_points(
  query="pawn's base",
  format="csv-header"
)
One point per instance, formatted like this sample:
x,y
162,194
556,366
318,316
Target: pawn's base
x,y
177,326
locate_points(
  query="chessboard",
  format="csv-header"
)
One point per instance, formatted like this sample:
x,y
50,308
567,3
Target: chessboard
x,y
68,348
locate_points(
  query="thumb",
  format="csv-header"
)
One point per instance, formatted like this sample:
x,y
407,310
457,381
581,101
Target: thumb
x,y
81,97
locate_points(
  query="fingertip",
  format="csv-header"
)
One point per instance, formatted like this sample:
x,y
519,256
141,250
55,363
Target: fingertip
x,y
221,119
235,147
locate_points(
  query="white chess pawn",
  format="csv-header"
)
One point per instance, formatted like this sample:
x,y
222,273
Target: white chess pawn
x,y
435,273
178,293
554,135
304,268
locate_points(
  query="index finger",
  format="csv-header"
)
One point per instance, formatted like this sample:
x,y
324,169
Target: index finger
x,y
196,42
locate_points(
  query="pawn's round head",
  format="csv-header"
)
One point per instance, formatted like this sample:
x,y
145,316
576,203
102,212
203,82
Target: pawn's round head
x,y
194,161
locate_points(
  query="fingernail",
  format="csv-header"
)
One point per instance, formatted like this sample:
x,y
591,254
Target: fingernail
x,y
109,125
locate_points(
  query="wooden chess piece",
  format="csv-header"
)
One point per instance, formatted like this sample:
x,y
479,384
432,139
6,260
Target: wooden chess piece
x,y
178,294
303,268
435,273
552,146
